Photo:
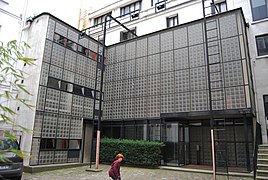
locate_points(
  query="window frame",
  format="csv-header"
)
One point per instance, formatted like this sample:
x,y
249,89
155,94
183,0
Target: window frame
x,y
128,34
219,7
254,18
265,53
153,2
129,6
174,18
99,20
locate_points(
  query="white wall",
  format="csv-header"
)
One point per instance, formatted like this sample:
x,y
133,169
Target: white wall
x,y
25,116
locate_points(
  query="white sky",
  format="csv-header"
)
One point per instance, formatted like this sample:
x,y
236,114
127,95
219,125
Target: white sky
x,y
66,10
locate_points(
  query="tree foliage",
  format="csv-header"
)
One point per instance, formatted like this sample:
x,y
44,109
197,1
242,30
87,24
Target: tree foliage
x,y
11,88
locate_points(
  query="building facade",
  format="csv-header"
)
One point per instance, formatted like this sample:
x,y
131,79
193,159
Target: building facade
x,y
144,17
62,83
156,86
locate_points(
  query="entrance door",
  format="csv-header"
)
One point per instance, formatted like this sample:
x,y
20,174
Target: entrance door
x,y
171,142
87,140
177,144
183,145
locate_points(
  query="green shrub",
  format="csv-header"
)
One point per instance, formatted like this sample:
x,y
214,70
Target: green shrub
x,y
136,152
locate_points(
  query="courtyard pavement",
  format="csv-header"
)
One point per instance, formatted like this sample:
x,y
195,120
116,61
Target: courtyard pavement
x,y
127,173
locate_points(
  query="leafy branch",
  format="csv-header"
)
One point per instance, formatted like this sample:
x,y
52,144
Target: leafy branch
x,y
11,88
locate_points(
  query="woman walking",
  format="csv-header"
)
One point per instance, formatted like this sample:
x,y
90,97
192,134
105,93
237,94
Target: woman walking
x,y
114,171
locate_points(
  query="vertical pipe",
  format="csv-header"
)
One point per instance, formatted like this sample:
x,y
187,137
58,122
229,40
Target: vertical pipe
x,y
246,141
100,103
213,154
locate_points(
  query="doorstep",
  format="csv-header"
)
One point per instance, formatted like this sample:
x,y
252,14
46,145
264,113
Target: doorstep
x,y
49,167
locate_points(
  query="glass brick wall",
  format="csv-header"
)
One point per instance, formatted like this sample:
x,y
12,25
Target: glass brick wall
x,y
166,71
65,96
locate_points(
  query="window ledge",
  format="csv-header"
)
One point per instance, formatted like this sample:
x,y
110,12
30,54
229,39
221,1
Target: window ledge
x,y
263,56
259,21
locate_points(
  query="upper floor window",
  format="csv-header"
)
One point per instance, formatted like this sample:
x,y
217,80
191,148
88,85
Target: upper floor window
x,y
219,7
125,35
136,6
100,19
262,45
153,2
259,9
172,21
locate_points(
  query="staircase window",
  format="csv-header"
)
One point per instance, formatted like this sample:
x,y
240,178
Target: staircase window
x,y
172,21
125,35
219,7
259,9
262,45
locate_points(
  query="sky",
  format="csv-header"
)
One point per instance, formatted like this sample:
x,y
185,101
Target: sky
x,y
66,10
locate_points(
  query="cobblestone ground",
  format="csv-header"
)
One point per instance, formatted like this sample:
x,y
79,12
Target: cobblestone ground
x,y
127,173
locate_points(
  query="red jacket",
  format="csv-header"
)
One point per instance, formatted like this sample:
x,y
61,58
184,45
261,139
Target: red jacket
x,y
115,169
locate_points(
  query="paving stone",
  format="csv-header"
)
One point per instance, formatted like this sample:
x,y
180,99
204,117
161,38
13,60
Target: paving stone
x,y
127,173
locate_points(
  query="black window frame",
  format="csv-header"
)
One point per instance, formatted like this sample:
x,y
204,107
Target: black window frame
x,y
219,7
136,9
174,18
126,35
99,20
260,12
262,51
153,2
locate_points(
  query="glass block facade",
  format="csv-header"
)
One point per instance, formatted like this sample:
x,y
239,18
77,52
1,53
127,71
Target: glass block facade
x,y
156,89
65,95
166,71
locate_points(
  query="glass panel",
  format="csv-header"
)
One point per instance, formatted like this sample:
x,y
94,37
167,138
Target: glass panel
x,y
54,83
141,132
130,132
74,144
47,144
71,45
66,86
259,9
62,144
262,45
223,7
172,143
78,90
258,3
116,132
154,130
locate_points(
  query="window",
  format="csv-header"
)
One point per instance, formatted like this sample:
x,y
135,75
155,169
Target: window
x,y
125,35
99,20
265,99
53,83
153,2
259,9
79,90
60,39
131,8
65,86
75,144
47,143
62,144
262,45
221,7
172,21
